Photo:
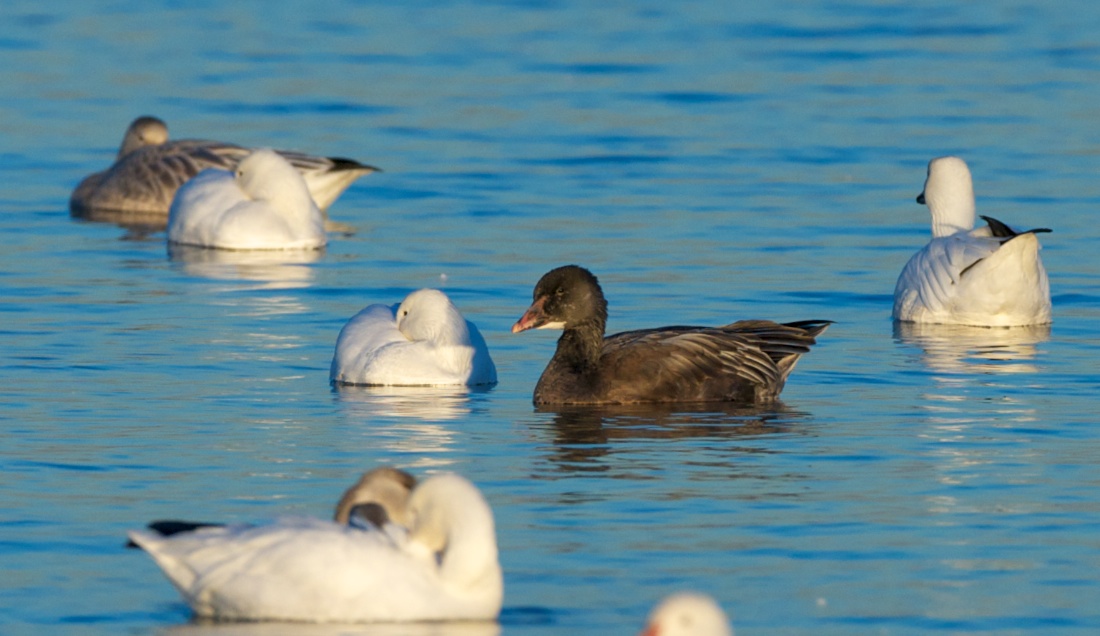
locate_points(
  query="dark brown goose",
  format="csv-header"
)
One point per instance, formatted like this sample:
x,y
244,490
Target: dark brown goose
x,y
746,361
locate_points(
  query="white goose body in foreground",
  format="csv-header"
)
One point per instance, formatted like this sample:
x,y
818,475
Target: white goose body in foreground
x,y
444,568
263,205
424,341
150,168
990,276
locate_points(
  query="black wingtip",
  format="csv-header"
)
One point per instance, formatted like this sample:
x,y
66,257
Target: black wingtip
x,y
169,527
1000,230
813,327
343,163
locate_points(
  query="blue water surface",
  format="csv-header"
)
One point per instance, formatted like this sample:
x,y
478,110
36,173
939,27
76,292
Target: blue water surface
x,y
710,161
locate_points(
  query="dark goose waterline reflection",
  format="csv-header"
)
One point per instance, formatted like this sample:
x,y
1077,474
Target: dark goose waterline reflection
x,y
583,437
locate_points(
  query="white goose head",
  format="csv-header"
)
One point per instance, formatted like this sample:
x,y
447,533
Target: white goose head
x,y
143,131
949,194
687,614
449,517
264,175
427,314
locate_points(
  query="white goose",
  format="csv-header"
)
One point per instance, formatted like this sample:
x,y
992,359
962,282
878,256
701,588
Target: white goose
x,y
445,567
991,276
424,341
263,205
150,168
687,614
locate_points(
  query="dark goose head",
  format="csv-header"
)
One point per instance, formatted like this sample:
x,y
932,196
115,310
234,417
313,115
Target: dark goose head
x,y
568,297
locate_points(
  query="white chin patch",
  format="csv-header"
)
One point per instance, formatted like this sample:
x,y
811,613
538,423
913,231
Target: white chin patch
x,y
552,325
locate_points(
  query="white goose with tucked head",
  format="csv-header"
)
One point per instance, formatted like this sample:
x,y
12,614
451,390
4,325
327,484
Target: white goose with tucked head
x,y
263,205
445,567
991,276
424,341
687,614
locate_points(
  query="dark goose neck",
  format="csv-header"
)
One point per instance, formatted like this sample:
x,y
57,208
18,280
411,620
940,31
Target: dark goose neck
x,y
580,346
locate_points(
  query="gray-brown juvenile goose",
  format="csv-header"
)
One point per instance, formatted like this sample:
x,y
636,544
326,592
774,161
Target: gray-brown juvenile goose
x,y
746,361
150,168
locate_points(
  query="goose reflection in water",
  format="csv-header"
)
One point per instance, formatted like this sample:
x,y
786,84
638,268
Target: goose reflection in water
x,y
142,226
139,226
963,349
976,387
584,436
271,269
404,419
415,402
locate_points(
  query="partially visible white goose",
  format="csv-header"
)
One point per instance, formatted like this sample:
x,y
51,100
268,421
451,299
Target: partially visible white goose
x,y
445,568
149,169
687,614
991,276
263,205
424,341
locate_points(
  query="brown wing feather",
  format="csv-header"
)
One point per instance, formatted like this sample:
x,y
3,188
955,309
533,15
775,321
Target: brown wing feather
x,y
746,359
